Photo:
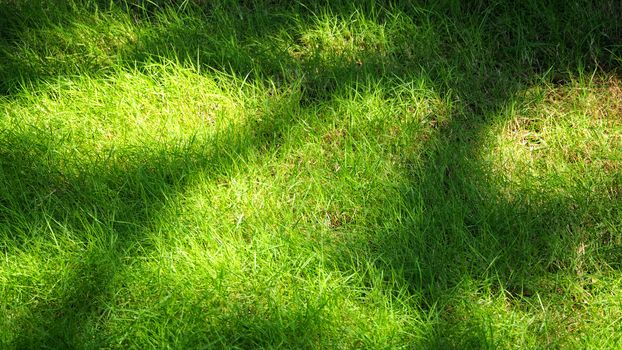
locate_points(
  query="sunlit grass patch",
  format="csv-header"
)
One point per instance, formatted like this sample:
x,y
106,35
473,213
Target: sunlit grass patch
x,y
555,152
128,108
563,138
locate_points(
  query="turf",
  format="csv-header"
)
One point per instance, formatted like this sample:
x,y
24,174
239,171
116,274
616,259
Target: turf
x,y
278,174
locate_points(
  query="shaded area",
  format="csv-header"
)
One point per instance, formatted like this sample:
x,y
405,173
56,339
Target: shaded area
x,y
472,49
487,54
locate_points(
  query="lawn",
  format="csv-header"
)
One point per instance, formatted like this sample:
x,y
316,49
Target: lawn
x,y
310,174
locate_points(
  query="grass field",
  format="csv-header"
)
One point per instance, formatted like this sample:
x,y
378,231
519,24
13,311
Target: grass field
x,y
318,174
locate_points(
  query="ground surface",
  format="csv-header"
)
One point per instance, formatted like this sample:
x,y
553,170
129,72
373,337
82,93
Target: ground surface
x,y
280,174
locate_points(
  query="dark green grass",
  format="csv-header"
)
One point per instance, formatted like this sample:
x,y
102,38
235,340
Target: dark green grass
x,y
267,174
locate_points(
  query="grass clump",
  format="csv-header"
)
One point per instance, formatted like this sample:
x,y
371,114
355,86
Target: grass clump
x,y
264,174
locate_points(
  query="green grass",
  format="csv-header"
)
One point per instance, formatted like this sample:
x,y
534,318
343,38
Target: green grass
x,y
276,174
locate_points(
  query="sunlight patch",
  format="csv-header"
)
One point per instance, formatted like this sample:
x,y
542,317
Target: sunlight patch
x,y
561,138
88,118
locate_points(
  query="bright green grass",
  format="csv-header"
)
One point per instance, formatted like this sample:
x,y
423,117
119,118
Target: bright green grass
x,y
266,174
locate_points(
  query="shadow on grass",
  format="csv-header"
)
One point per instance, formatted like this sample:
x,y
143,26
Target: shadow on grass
x,y
479,55
100,213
